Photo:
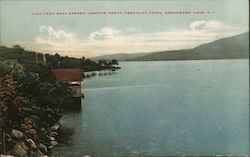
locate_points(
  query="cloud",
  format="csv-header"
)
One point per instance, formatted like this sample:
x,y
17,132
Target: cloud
x,y
109,40
54,37
60,34
104,33
210,25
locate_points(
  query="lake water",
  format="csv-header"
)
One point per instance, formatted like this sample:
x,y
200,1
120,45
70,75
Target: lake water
x,y
164,108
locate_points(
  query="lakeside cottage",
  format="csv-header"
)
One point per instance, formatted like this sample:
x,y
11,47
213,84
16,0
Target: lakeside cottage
x,y
74,77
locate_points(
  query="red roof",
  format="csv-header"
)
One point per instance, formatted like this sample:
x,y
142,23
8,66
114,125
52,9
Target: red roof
x,y
73,74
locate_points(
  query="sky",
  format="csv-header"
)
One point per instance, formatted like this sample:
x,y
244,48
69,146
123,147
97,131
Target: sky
x,y
93,35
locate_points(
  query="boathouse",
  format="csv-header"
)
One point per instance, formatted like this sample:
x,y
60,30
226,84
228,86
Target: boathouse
x,y
74,77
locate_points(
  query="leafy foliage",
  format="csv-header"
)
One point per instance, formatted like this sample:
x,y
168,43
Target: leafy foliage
x,y
54,61
31,92
31,98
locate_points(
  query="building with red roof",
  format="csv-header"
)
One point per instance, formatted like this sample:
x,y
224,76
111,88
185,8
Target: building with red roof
x,y
69,74
73,76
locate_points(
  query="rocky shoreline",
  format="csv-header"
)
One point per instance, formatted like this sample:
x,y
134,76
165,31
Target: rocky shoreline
x,y
25,140
33,100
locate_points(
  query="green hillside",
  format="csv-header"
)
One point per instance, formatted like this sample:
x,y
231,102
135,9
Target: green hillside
x,y
236,47
119,57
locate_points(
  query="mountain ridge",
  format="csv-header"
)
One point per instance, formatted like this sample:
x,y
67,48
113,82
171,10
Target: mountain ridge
x,y
119,56
234,47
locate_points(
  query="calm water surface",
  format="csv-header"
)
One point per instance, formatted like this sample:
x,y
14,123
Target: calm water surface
x,y
164,108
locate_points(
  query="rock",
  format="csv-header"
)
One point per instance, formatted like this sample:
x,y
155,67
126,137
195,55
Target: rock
x,y
31,143
40,154
43,148
16,133
54,143
20,149
55,127
53,134
52,138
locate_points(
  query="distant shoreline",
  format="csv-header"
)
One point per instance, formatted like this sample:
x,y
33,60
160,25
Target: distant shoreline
x,y
182,60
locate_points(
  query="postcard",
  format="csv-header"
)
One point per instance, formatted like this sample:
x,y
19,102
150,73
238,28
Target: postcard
x,y
86,78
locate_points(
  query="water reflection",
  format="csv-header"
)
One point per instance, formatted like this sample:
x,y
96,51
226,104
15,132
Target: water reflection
x,y
91,74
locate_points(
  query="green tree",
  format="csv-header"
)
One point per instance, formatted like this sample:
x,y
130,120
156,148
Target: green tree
x,y
18,49
114,62
31,93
